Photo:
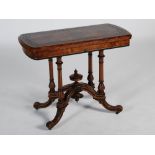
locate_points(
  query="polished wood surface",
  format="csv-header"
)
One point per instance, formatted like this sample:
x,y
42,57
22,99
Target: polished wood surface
x,y
43,45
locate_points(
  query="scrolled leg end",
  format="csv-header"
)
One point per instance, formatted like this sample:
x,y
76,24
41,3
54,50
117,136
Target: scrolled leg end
x,y
50,125
119,109
36,105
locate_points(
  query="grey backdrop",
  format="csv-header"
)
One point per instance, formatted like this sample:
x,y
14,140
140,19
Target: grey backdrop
x,y
129,81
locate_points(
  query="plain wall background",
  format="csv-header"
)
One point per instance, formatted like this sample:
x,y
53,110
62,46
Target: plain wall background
x,y
129,81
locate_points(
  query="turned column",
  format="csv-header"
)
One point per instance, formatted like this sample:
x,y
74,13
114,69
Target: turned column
x,y
51,84
51,93
101,86
60,83
60,105
90,70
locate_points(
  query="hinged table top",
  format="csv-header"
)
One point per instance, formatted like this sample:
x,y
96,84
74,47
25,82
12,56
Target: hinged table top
x,y
43,45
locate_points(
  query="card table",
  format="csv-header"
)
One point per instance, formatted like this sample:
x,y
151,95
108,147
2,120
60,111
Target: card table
x,y
58,43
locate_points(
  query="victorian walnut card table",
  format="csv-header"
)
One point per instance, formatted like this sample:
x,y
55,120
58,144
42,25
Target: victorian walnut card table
x,y
58,43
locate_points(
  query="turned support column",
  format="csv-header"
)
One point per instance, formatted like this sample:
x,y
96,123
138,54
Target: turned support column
x,y
51,84
51,93
90,70
60,83
60,104
101,86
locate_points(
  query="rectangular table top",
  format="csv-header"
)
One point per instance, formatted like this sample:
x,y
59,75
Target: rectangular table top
x,y
47,44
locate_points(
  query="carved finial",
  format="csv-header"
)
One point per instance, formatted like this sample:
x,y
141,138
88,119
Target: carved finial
x,y
75,72
76,76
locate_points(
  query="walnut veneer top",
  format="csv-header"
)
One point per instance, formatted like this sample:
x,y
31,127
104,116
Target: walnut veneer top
x,y
44,45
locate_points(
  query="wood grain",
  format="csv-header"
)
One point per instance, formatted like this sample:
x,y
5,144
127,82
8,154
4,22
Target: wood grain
x,y
48,44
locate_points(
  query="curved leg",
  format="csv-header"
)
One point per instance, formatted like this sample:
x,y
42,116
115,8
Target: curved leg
x,y
38,105
101,86
117,108
61,105
100,98
59,113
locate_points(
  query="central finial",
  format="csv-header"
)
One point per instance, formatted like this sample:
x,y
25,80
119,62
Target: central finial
x,y
75,72
76,76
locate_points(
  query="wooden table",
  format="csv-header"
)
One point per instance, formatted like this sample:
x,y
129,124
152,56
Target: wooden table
x,y
58,43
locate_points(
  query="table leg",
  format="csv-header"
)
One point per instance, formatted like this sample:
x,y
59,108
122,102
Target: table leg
x,y
90,70
60,104
101,86
101,73
38,105
51,84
